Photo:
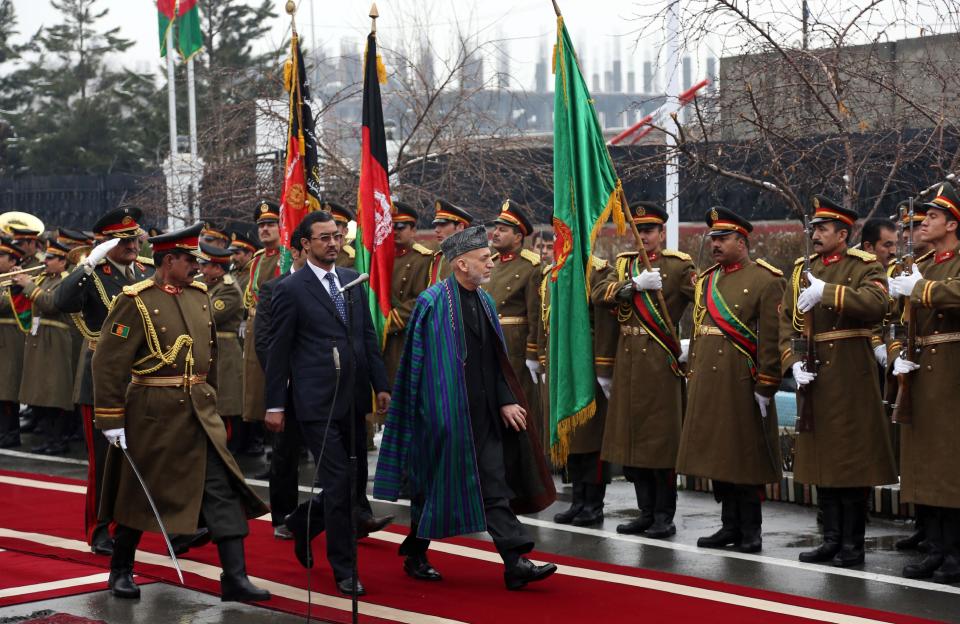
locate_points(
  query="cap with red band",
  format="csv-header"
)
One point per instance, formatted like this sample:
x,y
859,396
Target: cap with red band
x,y
186,240
723,221
947,200
119,223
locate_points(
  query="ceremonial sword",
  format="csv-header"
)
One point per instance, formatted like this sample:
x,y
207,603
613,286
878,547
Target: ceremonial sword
x,y
153,506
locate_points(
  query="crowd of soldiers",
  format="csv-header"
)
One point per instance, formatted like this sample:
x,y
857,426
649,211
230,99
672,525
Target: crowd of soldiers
x,y
702,406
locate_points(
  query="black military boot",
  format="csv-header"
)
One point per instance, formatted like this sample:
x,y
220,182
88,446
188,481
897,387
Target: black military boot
x,y
592,512
931,528
751,520
42,426
853,504
664,505
729,533
121,581
100,542
576,505
644,490
912,541
234,584
949,572
830,506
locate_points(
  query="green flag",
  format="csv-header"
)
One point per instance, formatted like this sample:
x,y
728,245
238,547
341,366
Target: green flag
x,y
586,191
187,17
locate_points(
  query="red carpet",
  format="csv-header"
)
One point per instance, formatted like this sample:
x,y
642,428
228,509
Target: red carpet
x,y
472,590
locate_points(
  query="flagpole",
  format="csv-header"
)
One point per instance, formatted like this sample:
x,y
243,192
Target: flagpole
x,y
173,185
192,113
672,180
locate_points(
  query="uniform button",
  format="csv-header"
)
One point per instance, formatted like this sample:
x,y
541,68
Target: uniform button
x,y
827,363
211,342
719,351
933,350
499,316
936,331
174,365
181,401
737,306
403,279
508,288
643,350
163,330
713,368
626,349
155,311
204,306
206,394
209,323
746,290
830,345
940,316
849,279
516,276
929,367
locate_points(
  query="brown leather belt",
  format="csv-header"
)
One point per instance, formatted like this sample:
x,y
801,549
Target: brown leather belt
x,y
923,341
628,330
167,381
513,320
842,334
708,330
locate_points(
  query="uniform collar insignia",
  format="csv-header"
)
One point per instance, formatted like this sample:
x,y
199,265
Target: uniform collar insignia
x,y
730,268
507,257
401,251
832,258
943,257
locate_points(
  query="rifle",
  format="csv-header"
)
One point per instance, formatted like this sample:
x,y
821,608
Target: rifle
x,y
903,405
806,347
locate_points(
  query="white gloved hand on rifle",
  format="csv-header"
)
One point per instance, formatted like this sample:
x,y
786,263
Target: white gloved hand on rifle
x,y
763,402
902,285
116,437
606,384
801,376
684,350
880,353
902,366
534,367
648,280
811,295
98,253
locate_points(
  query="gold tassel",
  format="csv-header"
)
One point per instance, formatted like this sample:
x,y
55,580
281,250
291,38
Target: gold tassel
x,y
381,70
553,60
301,144
287,75
565,428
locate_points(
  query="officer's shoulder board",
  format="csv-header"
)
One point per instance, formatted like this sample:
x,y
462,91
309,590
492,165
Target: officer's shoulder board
x,y
259,252
228,279
530,257
495,255
199,286
627,254
144,260
546,269
420,249
770,267
865,256
595,262
925,256
673,253
133,290
707,271
802,259
350,251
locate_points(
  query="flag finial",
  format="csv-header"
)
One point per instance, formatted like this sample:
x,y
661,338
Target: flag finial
x,y
374,14
291,7
556,8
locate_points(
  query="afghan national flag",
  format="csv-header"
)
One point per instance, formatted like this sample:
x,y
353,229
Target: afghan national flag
x,y
187,16
374,240
301,176
585,192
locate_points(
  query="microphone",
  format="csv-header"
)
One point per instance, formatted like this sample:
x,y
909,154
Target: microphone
x,y
361,279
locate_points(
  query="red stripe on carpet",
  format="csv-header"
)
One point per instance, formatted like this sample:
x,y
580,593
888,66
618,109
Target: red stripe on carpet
x,y
472,589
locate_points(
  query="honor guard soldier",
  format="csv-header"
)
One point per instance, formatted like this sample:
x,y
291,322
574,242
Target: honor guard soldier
x,y
342,216
264,267
87,295
156,404
14,325
643,425
29,241
928,457
72,238
845,450
730,425
588,475
214,236
48,368
243,248
447,219
227,304
515,287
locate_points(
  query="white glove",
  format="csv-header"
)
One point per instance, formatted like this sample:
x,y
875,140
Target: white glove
x,y
116,437
534,367
880,352
902,366
242,329
763,402
801,376
606,383
902,285
684,350
648,280
98,253
811,295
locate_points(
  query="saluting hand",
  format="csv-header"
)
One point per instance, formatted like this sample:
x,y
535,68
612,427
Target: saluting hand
x,y
514,417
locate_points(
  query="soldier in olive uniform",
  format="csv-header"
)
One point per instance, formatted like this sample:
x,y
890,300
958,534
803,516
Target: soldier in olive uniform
x,y
447,219
13,327
156,401
264,267
846,449
730,426
587,473
227,304
342,216
929,461
72,238
48,366
214,236
243,249
646,400
86,295
29,241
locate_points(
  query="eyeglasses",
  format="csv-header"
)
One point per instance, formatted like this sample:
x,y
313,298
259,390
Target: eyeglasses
x,y
326,238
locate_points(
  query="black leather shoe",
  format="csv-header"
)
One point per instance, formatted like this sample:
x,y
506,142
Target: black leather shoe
x,y
722,538
121,584
183,543
949,572
10,440
566,517
822,553
346,587
281,532
636,526
588,517
923,569
848,557
912,541
366,526
661,529
40,449
301,542
750,543
56,448
418,567
517,576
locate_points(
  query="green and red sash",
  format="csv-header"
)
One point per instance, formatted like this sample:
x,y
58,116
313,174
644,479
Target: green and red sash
x,y
654,323
742,337
22,310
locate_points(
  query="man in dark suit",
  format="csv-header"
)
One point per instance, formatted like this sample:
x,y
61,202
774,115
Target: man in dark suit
x,y
323,342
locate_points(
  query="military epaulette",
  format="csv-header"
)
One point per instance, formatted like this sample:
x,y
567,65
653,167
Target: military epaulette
x,y
546,269
801,259
770,267
530,257
199,286
495,255
597,263
627,254
350,251
135,289
64,274
925,256
866,256
673,253
228,279
145,261
707,271
259,252
420,249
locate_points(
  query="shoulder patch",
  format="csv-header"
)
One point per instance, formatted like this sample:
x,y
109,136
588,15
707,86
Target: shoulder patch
x,y
228,279
145,260
530,257
420,249
925,256
866,256
199,286
135,289
596,263
350,251
770,267
218,304
673,253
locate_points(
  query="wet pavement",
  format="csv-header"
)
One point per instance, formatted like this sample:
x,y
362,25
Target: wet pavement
x,y
787,529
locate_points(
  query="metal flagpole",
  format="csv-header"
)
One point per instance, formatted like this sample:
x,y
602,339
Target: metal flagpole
x,y
194,207
173,187
673,159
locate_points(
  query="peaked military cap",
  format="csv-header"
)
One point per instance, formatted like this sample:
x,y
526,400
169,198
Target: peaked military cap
x,y
214,254
240,241
7,246
463,241
71,237
825,209
20,233
648,213
404,213
903,212
186,240
946,199
119,223
448,213
341,214
212,231
511,214
57,249
722,221
266,211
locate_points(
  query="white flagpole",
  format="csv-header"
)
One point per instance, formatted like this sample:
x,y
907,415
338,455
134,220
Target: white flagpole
x,y
171,94
194,162
673,94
